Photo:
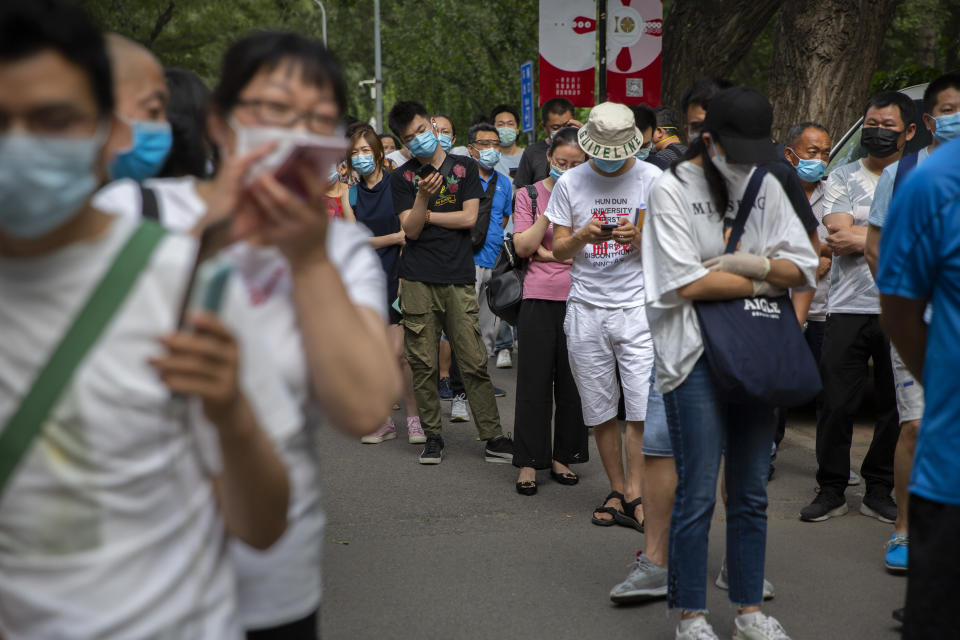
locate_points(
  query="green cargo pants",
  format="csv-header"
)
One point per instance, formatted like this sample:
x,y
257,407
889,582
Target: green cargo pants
x,y
429,309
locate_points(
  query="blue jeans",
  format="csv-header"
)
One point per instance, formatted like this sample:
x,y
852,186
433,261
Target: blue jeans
x,y
702,426
505,337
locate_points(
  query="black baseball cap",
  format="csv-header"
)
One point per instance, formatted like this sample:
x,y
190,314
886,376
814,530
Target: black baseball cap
x,y
741,119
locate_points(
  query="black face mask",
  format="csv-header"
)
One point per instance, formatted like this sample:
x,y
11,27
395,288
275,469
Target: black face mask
x,y
880,143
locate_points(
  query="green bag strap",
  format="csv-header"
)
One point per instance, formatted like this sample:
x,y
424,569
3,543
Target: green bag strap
x,y
24,426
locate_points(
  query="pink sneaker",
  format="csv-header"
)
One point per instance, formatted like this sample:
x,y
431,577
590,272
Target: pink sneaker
x,y
387,432
415,434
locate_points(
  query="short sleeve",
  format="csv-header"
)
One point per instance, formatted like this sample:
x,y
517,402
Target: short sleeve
x,y
348,246
471,187
785,235
504,190
558,209
671,256
836,198
522,211
402,190
909,246
882,196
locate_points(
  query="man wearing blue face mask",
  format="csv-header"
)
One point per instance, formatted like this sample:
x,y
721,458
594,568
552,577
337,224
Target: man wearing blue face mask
x,y
941,115
506,119
141,92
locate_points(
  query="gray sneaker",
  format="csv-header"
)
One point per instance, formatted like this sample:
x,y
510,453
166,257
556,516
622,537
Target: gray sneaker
x,y
721,582
458,409
646,581
760,627
699,629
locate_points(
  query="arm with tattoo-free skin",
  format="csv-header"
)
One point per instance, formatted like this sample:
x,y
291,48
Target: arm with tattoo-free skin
x,y
902,320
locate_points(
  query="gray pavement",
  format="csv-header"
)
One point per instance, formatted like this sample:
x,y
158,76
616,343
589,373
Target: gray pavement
x,y
453,551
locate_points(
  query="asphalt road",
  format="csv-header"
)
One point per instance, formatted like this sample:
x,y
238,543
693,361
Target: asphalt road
x,y
452,551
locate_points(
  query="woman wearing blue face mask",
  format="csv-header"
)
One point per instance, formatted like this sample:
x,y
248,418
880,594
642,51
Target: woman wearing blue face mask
x,y
546,392
374,208
446,132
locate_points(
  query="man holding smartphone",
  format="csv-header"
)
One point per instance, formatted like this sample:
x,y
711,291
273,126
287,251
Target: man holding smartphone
x,y
437,197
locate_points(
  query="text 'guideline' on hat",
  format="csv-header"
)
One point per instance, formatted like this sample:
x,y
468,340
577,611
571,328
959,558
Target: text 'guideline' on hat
x,y
741,118
610,133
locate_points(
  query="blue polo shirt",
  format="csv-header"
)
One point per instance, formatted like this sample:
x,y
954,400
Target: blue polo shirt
x,y
499,211
920,259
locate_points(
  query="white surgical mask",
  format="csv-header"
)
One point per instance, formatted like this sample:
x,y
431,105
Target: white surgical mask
x,y
45,181
734,173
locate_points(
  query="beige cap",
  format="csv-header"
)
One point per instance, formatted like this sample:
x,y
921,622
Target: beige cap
x,y
610,133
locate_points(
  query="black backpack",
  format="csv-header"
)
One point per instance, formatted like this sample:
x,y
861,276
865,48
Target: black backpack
x,y
478,234
505,287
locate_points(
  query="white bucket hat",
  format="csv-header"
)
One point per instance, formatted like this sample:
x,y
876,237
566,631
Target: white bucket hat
x,y
610,133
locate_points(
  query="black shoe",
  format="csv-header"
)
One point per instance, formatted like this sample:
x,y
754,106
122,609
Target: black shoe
x,y
432,451
445,390
771,472
499,449
898,615
826,505
528,488
568,479
879,505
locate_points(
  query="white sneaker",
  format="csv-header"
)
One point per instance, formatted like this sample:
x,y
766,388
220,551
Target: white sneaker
x,y
721,581
700,629
458,409
504,361
760,627
854,479
387,432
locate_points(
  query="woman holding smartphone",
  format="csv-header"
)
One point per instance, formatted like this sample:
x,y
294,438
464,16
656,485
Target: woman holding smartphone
x,y
543,375
374,209
682,232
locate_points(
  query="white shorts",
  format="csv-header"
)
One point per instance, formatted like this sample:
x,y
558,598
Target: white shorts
x,y
598,341
909,391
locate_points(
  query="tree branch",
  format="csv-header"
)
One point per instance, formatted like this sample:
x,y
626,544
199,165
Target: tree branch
x,y
165,16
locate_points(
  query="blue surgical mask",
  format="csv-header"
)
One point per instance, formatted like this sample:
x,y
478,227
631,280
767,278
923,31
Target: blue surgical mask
x,y
333,176
424,144
446,142
608,166
489,158
44,181
507,135
643,153
811,170
145,157
555,173
948,127
364,164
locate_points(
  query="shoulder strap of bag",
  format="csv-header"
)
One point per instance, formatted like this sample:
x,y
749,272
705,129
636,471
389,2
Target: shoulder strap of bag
x,y
28,420
746,204
906,164
149,208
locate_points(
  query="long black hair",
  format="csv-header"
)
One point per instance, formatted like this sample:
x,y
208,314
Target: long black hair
x,y
565,136
715,181
193,152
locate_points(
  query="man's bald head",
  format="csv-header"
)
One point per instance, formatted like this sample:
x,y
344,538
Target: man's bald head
x,y
139,84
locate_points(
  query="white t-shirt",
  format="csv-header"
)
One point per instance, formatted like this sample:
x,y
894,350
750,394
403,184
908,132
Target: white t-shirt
x,y
283,583
850,189
109,527
681,231
607,274
818,306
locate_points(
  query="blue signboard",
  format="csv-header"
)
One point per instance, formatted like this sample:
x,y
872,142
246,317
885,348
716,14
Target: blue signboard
x,y
526,96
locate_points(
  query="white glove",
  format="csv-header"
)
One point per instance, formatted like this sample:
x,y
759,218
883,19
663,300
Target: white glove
x,y
764,288
741,263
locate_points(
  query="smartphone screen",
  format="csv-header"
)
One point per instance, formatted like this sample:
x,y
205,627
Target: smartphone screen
x,y
312,160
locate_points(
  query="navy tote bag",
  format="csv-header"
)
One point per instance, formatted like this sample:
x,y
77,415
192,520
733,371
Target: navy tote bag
x,y
755,346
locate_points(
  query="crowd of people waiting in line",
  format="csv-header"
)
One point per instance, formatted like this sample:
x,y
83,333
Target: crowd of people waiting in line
x,y
158,458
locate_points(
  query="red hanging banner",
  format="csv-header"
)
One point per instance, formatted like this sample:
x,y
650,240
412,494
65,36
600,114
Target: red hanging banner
x,y
634,30
568,50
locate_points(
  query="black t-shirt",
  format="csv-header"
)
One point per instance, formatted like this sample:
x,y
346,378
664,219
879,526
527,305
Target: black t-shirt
x,y
439,255
786,174
668,155
374,209
533,165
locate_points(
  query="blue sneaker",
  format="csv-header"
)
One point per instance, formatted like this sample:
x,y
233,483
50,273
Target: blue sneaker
x,y
498,392
896,559
446,391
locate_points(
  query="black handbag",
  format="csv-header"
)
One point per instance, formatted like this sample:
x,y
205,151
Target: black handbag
x,y
505,287
478,233
755,346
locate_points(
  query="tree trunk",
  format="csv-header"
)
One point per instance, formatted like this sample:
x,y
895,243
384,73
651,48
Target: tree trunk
x,y
708,38
927,45
825,54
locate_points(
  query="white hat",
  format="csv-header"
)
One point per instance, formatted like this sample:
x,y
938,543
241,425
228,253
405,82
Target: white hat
x,y
610,133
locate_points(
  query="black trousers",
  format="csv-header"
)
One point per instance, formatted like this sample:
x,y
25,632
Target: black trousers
x,y
933,584
849,341
544,379
814,338
304,629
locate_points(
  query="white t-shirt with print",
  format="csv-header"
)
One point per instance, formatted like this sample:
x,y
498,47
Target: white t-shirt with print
x,y
681,231
109,527
607,274
849,189
283,583
818,306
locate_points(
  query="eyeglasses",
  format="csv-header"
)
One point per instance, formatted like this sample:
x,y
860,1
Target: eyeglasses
x,y
484,144
277,114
